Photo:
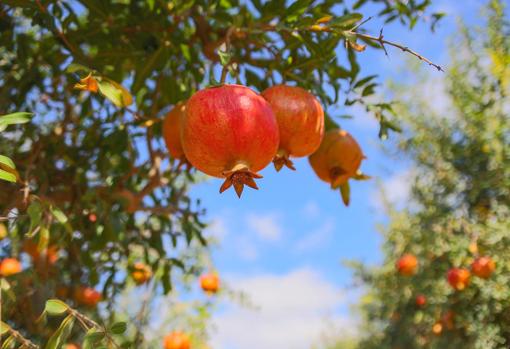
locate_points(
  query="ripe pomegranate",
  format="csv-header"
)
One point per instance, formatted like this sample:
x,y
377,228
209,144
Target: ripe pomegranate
x,y
10,266
421,300
172,132
177,340
48,256
229,131
72,346
210,283
458,278
141,273
337,159
483,267
407,265
87,296
300,120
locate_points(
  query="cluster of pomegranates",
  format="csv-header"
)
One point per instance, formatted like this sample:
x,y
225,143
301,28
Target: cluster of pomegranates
x,y
232,132
458,279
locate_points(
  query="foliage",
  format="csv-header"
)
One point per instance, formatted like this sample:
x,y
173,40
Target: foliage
x,y
96,188
459,208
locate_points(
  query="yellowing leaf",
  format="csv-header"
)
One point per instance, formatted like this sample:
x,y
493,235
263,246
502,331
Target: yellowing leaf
x,y
115,92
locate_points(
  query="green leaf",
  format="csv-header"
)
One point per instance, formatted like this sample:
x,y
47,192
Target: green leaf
x,y
118,328
345,191
346,21
35,213
4,160
76,67
59,215
224,57
3,328
55,307
146,69
114,92
14,119
61,334
8,343
7,176
91,339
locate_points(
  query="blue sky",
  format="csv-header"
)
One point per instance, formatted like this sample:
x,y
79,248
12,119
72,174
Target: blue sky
x,y
284,243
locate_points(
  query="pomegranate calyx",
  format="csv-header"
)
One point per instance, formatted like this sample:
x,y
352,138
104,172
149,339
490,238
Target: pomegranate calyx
x,y
337,175
282,159
239,176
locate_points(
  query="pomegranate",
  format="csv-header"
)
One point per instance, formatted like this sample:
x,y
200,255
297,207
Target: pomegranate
x,y
229,132
210,283
177,340
483,267
87,296
337,159
407,265
300,120
141,273
448,320
458,278
48,256
421,300
172,131
10,266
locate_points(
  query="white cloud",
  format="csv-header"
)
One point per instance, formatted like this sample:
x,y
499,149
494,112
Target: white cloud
x,y
246,249
218,228
316,238
266,226
311,210
291,313
396,190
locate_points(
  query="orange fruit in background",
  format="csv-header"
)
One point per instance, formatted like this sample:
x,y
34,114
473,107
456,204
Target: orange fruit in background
x,y
458,278
177,340
48,256
230,132
210,282
300,120
407,264
72,346
483,267
141,273
337,159
10,266
172,131
87,296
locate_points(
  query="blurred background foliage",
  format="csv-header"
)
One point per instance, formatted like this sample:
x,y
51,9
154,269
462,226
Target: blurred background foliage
x,y
96,189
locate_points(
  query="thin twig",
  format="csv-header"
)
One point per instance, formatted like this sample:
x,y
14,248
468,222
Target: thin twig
x,y
24,342
224,71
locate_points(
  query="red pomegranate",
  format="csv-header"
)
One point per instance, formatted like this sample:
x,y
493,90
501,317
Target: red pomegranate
x,y
229,132
407,265
337,159
172,131
458,278
300,120
483,267
421,300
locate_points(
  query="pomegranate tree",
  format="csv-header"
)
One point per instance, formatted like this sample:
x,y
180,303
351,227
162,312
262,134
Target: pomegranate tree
x,y
300,121
229,132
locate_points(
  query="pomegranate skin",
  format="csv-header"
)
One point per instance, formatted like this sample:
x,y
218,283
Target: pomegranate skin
x,y
483,267
300,120
172,131
337,159
407,265
230,132
458,278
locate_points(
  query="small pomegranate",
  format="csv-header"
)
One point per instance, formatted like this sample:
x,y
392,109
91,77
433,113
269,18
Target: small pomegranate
x,y
448,320
483,267
458,278
177,340
172,131
87,296
10,266
407,265
421,300
72,346
141,273
300,120
437,328
229,132
210,283
337,159
49,256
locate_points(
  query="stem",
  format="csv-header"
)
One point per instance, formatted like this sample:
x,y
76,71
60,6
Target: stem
x,y
224,71
24,342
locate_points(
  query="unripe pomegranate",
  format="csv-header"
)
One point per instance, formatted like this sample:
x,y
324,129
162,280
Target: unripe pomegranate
x,y
458,278
177,340
141,273
210,283
10,266
421,300
483,267
407,265
229,132
87,296
300,120
337,159
172,131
